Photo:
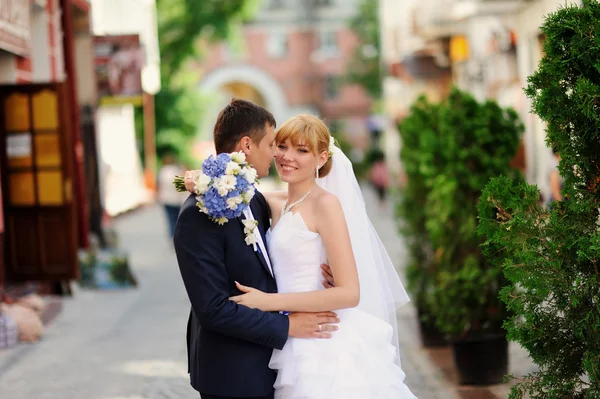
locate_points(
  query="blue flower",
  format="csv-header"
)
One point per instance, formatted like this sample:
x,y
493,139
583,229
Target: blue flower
x,y
215,167
214,204
234,193
242,184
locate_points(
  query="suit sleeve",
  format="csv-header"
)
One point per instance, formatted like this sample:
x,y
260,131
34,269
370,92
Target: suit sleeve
x,y
200,248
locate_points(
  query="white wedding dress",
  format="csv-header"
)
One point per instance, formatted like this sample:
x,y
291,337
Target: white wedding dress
x,y
358,362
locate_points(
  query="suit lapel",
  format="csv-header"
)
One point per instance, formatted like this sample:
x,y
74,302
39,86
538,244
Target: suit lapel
x,y
258,252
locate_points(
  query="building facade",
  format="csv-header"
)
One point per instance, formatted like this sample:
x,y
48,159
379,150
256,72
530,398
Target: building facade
x,y
291,59
44,207
486,47
122,177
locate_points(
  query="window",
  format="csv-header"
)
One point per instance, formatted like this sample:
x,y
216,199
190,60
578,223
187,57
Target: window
x,y
328,43
277,44
276,4
331,87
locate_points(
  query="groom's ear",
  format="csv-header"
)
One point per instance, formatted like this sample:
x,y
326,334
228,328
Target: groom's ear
x,y
245,144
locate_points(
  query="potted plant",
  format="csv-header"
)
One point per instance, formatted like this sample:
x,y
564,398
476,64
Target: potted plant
x,y
553,255
476,141
418,131
87,267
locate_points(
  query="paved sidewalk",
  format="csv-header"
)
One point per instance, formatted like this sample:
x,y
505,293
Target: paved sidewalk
x,y
423,377
122,344
130,344
431,372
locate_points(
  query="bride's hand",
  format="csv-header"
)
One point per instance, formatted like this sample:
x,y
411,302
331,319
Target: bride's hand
x,y
189,179
251,298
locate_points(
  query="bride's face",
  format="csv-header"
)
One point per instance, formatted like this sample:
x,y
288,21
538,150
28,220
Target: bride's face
x,y
295,163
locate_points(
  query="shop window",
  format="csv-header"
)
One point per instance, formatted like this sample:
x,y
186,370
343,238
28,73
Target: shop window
x,y
276,4
22,188
19,151
16,111
45,110
50,185
47,149
331,87
277,44
33,149
328,43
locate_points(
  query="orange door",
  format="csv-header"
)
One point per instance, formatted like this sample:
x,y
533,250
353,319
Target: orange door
x,y
37,175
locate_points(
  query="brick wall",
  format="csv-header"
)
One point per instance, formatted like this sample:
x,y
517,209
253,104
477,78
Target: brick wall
x,y
302,77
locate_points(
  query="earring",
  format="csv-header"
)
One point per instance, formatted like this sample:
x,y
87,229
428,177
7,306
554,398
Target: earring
x,y
318,167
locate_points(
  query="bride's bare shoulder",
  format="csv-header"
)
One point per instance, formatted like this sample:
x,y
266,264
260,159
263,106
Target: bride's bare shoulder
x,y
327,202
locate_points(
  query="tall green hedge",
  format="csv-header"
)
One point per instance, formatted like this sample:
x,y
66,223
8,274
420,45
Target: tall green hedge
x,y
419,132
476,142
450,151
552,255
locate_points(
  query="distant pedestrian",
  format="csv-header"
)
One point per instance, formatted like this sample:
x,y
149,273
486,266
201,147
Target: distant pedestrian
x,y
170,199
379,177
555,180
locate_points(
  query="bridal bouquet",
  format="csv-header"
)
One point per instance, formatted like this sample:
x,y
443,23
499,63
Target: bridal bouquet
x,y
224,188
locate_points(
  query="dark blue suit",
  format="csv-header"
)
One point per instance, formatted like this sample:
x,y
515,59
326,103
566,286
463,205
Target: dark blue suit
x,y
229,345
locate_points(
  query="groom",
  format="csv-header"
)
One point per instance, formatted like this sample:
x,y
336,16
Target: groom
x,y
229,346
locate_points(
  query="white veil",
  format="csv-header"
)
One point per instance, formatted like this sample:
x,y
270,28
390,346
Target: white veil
x,y
380,288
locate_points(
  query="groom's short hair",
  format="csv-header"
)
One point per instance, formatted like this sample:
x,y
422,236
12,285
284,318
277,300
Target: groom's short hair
x,y
238,119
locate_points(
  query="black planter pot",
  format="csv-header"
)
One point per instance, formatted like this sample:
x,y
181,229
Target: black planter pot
x,y
481,360
431,336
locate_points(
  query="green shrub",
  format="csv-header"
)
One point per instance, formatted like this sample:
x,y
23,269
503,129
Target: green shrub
x,y
476,141
553,255
418,131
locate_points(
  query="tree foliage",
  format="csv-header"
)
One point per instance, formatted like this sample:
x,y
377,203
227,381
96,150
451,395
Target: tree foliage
x,y
182,24
552,255
450,151
364,66
476,142
419,132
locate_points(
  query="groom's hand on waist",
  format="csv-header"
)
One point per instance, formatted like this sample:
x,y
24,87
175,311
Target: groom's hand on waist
x,y
313,325
328,281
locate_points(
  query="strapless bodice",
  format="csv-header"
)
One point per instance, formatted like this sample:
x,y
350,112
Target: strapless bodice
x,y
296,254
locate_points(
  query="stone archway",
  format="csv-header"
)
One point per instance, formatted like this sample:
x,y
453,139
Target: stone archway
x,y
263,85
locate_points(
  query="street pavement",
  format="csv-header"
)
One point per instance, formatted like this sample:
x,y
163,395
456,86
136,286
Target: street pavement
x,y
130,344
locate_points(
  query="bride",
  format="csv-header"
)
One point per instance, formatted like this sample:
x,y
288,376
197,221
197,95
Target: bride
x,y
322,219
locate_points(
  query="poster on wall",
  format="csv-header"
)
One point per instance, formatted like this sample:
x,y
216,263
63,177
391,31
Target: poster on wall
x,y
15,27
118,61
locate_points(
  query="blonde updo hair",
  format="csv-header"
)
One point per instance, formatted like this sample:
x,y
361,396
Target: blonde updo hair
x,y
310,131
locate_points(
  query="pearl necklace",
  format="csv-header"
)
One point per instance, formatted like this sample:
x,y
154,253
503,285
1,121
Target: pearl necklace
x,y
287,208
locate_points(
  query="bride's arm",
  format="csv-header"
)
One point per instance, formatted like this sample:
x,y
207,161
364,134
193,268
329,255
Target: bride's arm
x,y
332,227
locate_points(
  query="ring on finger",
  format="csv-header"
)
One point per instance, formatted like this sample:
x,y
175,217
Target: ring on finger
x,y
320,328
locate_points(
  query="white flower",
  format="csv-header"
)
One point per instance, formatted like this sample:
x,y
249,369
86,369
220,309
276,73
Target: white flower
x,y
250,240
250,175
249,227
232,168
238,157
331,146
200,204
221,221
233,202
229,181
248,195
202,182
224,184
